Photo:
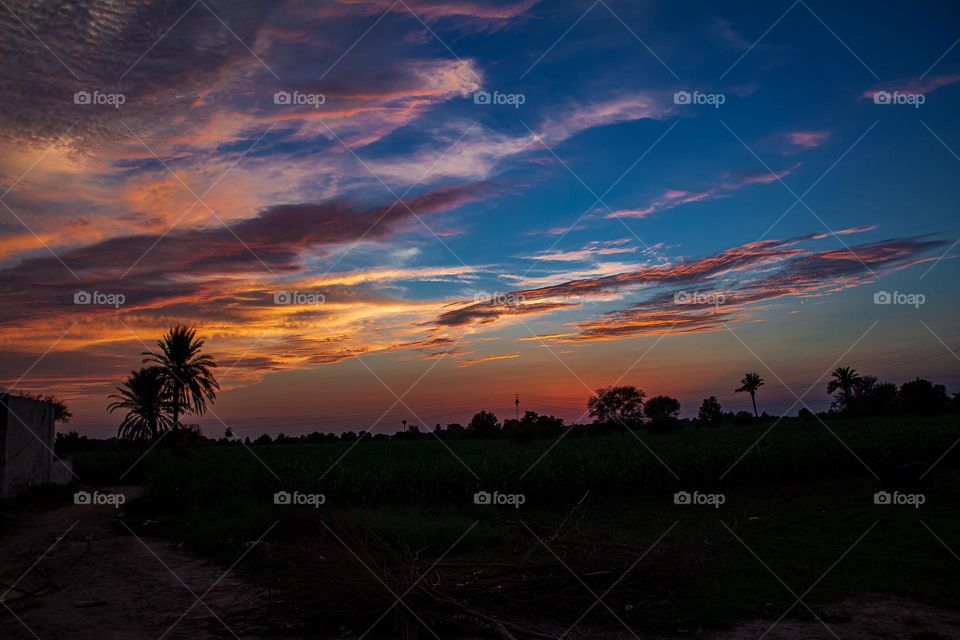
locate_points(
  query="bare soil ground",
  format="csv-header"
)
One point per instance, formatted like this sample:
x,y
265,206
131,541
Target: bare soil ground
x,y
860,618
76,572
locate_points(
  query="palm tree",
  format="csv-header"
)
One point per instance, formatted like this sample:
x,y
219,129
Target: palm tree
x,y
143,395
750,383
186,374
846,380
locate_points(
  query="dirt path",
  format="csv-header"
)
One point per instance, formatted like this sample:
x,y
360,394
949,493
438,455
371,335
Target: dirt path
x,y
89,580
861,618
77,573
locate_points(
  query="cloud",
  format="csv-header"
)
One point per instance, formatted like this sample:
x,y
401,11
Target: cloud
x,y
806,275
737,277
671,198
198,263
729,37
808,139
589,252
468,150
203,103
426,9
469,362
923,85
488,312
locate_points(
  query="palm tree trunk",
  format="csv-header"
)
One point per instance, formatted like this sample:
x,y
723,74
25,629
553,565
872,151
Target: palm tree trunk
x,y
176,406
753,396
176,419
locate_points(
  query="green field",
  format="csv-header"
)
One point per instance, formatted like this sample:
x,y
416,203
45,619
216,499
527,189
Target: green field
x,y
433,473
799,500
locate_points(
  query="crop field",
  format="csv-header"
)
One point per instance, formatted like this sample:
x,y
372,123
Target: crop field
x,y
598,513
430,472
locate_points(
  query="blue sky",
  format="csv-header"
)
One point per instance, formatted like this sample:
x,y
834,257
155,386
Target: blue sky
x,y
473,250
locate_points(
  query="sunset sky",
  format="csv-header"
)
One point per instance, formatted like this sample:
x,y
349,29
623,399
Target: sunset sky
x,y
659,194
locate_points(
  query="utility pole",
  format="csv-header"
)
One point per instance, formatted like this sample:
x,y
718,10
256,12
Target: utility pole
x,y
517,403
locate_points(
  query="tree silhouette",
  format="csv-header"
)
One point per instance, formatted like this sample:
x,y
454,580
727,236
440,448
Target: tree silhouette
x,y
662,413
484,424
750,383
711,413
61,413
922,397
188,381
620,405
847,381
144,397
659,407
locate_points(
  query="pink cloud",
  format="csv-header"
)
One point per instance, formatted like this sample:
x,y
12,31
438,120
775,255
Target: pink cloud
x,y
808,139
744,275
671,198
923,85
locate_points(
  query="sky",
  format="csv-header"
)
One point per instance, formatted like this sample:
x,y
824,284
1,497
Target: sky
x,y
376,211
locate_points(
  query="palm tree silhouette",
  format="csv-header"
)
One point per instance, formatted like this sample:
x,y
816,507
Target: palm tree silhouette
x,y
186,374
845,380
143,395
750,383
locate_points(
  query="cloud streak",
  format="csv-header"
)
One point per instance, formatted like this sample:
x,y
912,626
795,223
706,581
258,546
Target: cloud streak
x,y
683,297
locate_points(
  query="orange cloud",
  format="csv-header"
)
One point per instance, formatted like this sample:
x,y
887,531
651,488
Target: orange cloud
x,y
475,361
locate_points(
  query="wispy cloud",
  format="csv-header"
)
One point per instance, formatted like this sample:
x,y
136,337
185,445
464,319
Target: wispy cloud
x,y
715,289
671,198
589,252
923,85
475,361
808,139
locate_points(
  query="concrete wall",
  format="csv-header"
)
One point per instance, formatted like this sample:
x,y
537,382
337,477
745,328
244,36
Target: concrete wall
x,y
27,435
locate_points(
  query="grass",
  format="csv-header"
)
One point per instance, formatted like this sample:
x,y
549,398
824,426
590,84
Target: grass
x,y
799,500
432,473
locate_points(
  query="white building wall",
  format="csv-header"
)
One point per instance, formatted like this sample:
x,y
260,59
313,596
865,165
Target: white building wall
x,y
27,435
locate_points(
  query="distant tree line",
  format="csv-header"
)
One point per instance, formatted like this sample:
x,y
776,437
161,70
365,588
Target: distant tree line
x,y
179,381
